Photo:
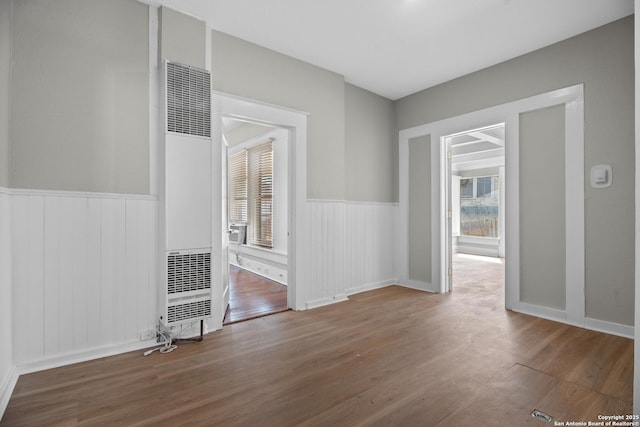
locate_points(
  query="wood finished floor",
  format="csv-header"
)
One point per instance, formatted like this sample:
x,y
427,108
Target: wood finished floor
x,y
390,357
253,296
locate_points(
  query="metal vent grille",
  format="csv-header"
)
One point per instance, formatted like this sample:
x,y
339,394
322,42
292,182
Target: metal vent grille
x,y
192,310
188,100
188,272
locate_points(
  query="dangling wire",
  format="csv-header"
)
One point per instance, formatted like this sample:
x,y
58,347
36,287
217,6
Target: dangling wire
x,y
168,344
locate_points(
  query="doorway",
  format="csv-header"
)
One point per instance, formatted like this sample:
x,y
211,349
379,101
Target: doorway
x,y
476,215
567,103
257,216
295,123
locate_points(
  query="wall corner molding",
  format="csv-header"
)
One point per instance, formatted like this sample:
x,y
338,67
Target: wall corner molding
x,y
7,386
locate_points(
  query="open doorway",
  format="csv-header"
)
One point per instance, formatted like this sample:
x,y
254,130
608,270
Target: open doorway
x,y
257,214
476,200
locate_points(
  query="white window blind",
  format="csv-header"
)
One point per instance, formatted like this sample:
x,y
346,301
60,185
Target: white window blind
x,y
250,183
238,189
261,194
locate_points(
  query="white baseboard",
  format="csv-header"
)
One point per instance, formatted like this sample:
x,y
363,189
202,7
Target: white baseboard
x,y
321,302
476,250
543,312
369,287
589,323
82,356
419,286
267,271
7,386
612,328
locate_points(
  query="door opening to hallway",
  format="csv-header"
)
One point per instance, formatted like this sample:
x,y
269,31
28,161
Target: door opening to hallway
x,y
475,189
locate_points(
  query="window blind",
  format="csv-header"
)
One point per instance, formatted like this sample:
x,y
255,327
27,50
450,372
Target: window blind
x,y
260,177
238,188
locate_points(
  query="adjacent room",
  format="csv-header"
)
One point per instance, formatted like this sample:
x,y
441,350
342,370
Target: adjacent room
x,y
257,177
476,192
401,212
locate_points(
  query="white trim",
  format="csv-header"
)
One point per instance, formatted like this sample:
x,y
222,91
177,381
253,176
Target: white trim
x,y
509,114
155,126
511,209
560,316
83,356
321,302
490,251
419,286
369,287
5,190
612,328
548,313
353,202
475,240
82,194
574,210
6,389
402,221
253,106
296,121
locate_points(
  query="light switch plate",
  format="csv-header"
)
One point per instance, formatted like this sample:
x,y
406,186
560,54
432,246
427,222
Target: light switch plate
x,y
601,176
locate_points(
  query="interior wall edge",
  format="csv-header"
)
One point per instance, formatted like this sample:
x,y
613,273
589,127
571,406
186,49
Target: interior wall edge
x,y
7,385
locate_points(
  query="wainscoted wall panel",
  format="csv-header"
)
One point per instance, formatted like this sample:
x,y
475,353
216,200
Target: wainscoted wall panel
x,y
84,272
8,374
325,247
370,242
350,249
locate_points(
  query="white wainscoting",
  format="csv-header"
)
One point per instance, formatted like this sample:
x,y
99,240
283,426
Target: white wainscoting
x,y
8,373
370,246
84,275
350,247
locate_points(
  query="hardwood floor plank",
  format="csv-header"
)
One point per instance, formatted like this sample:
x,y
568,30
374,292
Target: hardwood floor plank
x,y
252,296
392,356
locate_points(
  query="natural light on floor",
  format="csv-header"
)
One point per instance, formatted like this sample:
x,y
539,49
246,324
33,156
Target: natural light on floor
x,y
481,258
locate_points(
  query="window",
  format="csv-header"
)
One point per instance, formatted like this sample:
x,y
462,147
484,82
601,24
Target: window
x,y
238,191
484,186
250,181
466,188
480,206
261,195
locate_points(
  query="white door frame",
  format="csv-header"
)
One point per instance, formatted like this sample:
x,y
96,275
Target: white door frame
x,y
228,105
573,99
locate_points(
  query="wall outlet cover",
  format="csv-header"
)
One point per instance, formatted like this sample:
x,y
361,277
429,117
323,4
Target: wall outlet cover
x,y
149,334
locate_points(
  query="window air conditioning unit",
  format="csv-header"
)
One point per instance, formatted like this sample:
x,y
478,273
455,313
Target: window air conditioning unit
x,y
238,233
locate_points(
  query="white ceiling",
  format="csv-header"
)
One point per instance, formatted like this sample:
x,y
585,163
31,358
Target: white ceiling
x,y
398,47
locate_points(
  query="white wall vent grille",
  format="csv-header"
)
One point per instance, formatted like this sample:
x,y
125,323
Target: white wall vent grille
x,y
188,100
186,294
188,272
189,311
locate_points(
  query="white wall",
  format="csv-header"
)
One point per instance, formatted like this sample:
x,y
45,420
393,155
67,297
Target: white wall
x,y
84,275
350,246
7,368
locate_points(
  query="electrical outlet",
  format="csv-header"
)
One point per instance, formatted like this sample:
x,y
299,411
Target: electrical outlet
x,y
149,334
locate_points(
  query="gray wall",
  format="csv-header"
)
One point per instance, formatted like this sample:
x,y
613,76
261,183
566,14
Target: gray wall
x,y
248,70
371,149
182,38
5,85
80,96
542,208
602,59
420,209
